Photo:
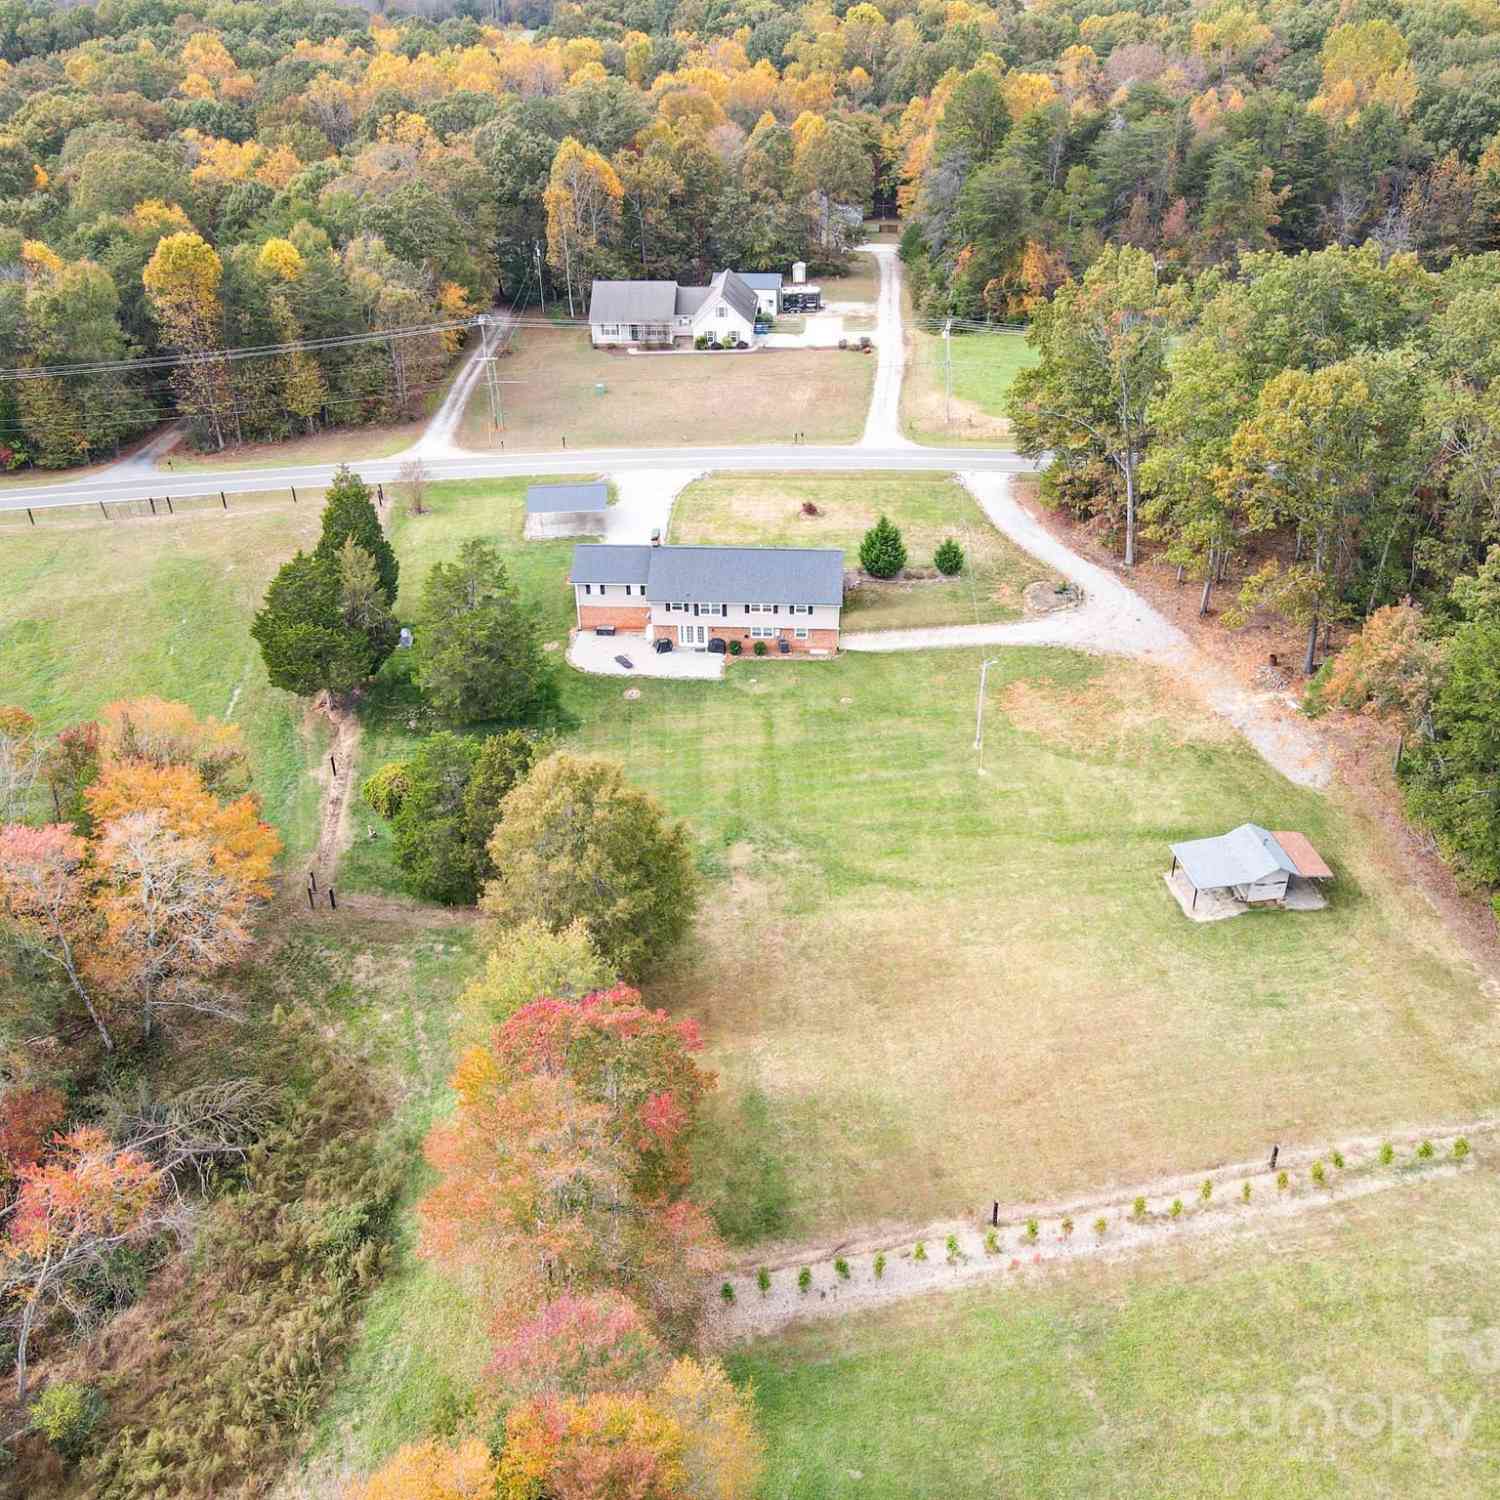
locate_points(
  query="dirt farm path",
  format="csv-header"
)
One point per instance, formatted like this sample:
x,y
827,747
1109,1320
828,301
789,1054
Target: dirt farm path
x,y
1067,1231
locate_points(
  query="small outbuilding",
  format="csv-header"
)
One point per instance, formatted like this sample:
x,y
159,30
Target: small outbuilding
x,y
1247,867
561,510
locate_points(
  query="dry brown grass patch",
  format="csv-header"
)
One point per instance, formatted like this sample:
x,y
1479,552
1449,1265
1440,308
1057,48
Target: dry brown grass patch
x,y
1135,705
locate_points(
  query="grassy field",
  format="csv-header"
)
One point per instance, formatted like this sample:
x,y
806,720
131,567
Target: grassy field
x,y
765,510
419,1345
666,400
984,365
1193,1373
860,284
92,611
924,989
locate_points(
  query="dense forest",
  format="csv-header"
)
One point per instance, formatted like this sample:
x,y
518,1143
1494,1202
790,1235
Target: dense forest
x,y
190,178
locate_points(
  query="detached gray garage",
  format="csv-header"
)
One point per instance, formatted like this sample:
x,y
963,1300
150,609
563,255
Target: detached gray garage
x,y
560,510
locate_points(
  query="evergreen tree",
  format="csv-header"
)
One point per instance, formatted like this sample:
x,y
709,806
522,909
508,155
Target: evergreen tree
x,y
348,511
882,553
477,657
323,626
450,799
949,558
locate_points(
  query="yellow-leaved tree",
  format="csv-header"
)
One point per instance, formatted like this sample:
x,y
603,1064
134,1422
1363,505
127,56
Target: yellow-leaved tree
x,y
182,283
582,199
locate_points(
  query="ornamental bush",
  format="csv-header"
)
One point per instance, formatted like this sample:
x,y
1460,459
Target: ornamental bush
x,y
760,648
882,553
949,558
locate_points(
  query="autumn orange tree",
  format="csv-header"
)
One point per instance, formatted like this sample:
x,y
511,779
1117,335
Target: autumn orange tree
x,y
567,1156
431,1470
690,1437
70,1211
137,914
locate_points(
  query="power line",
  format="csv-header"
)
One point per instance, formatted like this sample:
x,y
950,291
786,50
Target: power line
x,y
217,356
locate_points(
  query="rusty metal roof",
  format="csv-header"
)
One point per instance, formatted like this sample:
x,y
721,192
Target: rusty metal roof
x,y
1310,864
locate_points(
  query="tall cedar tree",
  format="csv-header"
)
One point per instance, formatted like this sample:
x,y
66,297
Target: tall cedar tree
x,y
304,640
477,658
882,553
577,841
348,511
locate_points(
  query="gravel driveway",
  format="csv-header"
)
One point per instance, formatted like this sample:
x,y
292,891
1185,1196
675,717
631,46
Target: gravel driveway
x,y
1114,620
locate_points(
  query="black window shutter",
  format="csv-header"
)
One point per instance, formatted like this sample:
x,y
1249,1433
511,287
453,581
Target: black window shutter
x,y
695,611
775,609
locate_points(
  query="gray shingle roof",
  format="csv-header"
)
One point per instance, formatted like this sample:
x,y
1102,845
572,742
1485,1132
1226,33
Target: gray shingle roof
x,y
690,299
761,281
605,562
1240,857
633,302
736,294
746,575
717,575
543,499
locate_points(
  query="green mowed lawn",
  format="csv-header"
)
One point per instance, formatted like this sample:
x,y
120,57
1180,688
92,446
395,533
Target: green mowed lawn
x,y
766,510
924,988
561,392
1193,1373
94,612
984,368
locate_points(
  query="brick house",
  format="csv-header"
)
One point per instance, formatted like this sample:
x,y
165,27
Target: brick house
x,y
788,597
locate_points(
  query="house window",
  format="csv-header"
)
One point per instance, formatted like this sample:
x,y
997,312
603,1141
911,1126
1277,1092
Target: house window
x,y
799,609
801,632
710,609
721,311
610,330
762,632
760,609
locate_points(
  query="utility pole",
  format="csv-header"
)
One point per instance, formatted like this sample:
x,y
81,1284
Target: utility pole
x,y
947,372
541,289
497,413
984,672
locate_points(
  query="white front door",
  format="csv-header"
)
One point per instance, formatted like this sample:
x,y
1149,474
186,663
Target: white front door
x,y
695,636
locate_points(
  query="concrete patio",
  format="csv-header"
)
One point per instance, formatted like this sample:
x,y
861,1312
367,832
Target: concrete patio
x,y
596,653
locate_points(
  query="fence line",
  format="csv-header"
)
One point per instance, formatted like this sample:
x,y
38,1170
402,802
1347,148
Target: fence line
x,y
102,512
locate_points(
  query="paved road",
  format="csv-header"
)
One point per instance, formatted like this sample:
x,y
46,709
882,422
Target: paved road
x,y
487,466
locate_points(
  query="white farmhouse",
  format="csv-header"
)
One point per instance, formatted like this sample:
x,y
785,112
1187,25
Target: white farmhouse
x,y
662,312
